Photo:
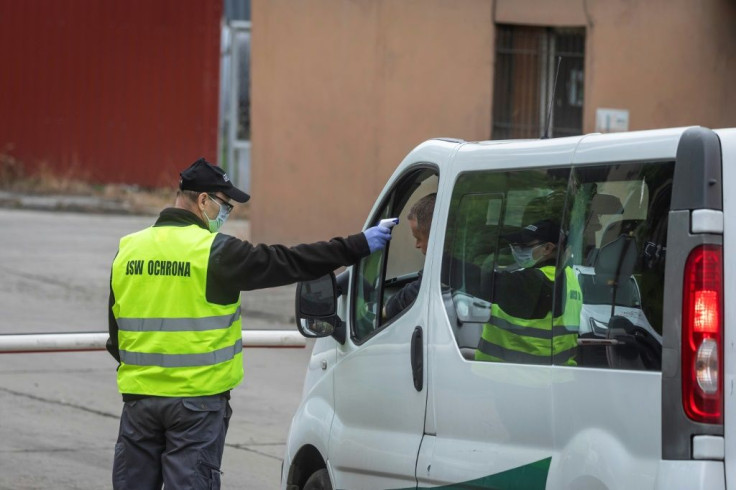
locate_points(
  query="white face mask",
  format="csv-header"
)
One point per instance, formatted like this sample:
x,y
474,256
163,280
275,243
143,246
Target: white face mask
x,y
216,224
524,256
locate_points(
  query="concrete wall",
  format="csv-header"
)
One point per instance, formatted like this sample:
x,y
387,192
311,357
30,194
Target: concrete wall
x,y
342,90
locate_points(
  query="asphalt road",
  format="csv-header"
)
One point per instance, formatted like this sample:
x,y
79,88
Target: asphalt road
x,y
59,412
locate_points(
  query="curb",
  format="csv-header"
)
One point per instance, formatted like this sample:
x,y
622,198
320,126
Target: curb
x,y
82,204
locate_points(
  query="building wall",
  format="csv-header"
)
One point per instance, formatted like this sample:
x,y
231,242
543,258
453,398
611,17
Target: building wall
x,y
110,91
342,90
670,63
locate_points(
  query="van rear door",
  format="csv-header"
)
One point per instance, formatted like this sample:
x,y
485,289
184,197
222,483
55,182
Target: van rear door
x,y
728,155
692,357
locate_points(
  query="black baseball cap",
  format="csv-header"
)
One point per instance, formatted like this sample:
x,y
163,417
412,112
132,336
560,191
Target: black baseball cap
x,y
545,231
202,176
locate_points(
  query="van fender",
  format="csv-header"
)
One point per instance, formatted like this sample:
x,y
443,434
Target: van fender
x,y
311,426
307,444
308,440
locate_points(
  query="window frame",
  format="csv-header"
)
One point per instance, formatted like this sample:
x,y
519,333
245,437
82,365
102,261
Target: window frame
x,y
563,182
403,185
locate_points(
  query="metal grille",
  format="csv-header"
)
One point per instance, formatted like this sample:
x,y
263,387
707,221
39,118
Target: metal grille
x,y
526,60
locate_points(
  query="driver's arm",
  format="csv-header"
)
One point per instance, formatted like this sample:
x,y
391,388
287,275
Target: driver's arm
x,y
402,299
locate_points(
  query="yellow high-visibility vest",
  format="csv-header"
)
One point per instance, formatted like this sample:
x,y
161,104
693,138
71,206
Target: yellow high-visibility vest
x,y
172,341
506,338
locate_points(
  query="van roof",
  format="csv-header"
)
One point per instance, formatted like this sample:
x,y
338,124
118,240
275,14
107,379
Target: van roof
x,y
627,134
588,148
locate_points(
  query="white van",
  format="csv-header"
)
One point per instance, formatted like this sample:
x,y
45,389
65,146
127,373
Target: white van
x,y
641,401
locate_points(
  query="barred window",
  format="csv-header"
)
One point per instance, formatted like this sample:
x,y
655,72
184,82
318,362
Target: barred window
x,y
526,61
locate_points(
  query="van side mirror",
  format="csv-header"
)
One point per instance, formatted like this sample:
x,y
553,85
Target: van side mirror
x,y
316,309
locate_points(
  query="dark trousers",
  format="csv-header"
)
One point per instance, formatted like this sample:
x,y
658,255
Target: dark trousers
x,y
177,442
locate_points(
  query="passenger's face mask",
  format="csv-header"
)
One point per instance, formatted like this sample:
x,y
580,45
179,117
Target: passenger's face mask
x,y
524,256
216,224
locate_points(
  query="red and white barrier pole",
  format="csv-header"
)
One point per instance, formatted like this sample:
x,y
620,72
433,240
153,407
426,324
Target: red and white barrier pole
x,y
66,342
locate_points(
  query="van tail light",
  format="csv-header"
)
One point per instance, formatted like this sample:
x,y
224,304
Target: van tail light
x,y
702,335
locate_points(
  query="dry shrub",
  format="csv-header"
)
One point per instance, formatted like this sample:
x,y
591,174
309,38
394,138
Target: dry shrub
x,y
151,201
78,182
70,181
11,169
15,176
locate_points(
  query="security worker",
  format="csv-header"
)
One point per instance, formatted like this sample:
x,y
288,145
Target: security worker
x,y
175,327
534,319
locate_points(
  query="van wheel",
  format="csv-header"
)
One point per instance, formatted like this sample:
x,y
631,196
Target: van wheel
x,y
319,480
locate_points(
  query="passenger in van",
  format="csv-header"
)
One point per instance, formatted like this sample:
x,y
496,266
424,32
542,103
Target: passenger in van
x,y
532,322
420,222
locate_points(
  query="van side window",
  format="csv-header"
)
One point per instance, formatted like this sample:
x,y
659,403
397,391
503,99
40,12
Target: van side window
x,y
386,282
501,305
617,248
597,302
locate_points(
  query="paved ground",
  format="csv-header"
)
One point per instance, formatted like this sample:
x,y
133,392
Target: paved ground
x,y
59,412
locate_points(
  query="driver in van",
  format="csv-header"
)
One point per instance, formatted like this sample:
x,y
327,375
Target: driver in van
x,y
533,316
420,222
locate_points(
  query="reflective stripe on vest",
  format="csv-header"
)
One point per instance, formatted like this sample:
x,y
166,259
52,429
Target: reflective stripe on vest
x,y
506,338
182,360
172,341
177,324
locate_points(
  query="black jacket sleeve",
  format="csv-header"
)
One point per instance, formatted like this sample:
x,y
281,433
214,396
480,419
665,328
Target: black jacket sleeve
x,y
112,327
236,265
403,298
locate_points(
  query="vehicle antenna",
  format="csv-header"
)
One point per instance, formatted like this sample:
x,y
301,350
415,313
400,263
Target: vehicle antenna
x,y
550,107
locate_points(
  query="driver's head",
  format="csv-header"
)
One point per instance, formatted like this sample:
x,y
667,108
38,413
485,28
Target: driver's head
x,y
420,220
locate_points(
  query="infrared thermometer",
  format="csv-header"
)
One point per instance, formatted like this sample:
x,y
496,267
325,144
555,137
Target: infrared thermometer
x,y
389,222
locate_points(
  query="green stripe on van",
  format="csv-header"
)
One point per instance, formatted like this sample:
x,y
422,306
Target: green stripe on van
x,y
532,476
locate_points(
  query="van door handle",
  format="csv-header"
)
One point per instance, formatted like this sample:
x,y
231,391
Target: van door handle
x,y
417,358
